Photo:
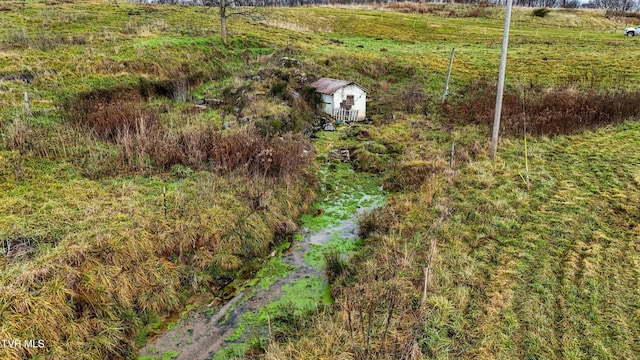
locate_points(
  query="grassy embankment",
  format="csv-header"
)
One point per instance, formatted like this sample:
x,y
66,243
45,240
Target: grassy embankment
x,y
513,267
94,256
544,268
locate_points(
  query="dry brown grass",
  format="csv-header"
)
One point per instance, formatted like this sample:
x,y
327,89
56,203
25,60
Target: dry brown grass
x,y
144,143
104,260
545,111
414,7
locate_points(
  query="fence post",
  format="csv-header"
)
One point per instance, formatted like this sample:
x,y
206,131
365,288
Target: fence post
x,y
446,85
453,146
26,102
164,200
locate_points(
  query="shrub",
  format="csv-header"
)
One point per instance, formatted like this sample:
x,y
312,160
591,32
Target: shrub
x,y
121,117
542,12
336,266
378,220
364,160
280,89
413,7
477,12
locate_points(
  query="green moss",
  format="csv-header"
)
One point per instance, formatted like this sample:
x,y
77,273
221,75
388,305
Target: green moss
x,y
348,191
170,355
314,257
272,271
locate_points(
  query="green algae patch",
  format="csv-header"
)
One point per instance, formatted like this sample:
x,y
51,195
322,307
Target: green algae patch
x,y
303,295
299,299
315,257
343,193
274,269
233,351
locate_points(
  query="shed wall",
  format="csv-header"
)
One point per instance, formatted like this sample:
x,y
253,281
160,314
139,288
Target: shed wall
x,y
360,99
327,104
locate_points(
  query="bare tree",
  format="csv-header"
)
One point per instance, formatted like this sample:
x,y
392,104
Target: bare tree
x,y
616,5
228,8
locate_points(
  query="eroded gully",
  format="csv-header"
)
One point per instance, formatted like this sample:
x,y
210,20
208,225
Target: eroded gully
x,y
299,282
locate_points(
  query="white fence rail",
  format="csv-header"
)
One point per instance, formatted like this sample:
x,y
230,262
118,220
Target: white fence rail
x,y
345,115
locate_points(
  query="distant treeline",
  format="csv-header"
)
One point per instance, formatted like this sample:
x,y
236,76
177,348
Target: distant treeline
x,y
612,5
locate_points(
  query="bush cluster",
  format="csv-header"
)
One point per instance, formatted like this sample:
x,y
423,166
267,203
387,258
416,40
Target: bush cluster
x,y
144,142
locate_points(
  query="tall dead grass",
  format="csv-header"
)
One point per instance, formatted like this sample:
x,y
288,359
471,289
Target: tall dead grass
x,y
118,262
414,7
545,111
144,143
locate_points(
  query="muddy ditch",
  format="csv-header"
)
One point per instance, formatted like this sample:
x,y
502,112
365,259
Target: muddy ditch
x,y
288,290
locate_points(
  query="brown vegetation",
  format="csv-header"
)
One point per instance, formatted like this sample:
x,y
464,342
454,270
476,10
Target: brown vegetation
x,y
413,7
143,142
545,111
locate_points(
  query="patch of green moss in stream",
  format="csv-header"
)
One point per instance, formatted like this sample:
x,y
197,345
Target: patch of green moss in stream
x,y
299,298
315,257
343,193
271,272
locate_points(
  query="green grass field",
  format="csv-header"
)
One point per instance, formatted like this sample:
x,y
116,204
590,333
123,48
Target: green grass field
x,y
93,263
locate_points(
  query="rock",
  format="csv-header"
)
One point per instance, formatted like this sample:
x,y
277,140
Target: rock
x,y
228,124
213,102
342,155
26,77
302,77
329,127
289,62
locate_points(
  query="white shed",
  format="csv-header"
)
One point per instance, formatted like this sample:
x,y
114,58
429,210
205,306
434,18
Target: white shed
x,y
344,100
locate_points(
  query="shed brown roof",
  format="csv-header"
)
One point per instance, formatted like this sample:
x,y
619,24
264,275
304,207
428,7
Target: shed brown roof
x,y
329,86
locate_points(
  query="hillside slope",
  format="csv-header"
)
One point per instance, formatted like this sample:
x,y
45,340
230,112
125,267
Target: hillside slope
x,y
123,204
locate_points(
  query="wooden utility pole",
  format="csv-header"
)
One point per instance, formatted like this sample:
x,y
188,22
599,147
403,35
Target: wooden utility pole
x,y
503,66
